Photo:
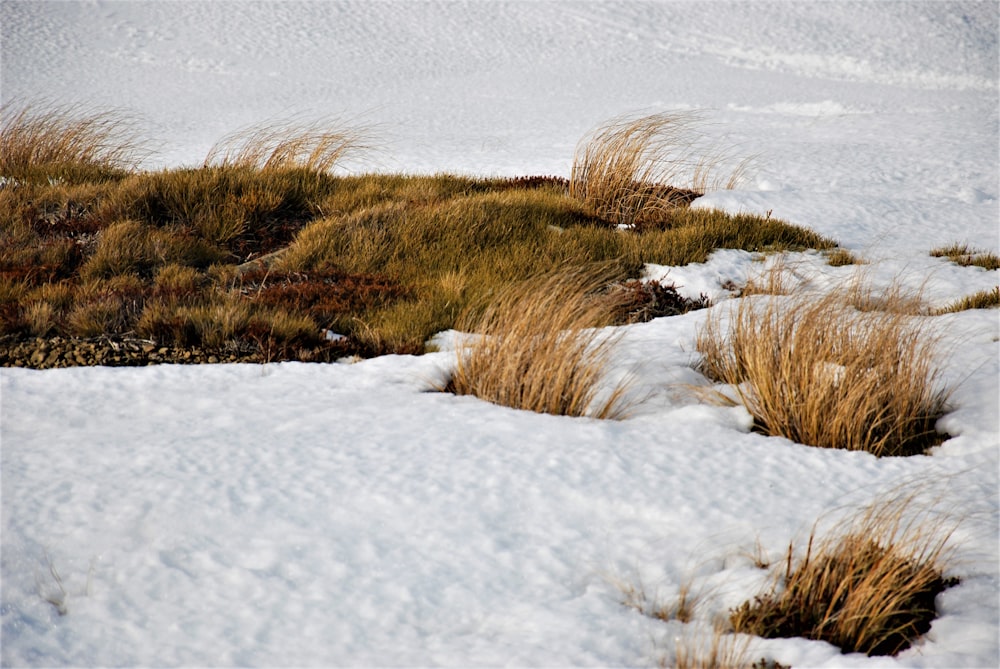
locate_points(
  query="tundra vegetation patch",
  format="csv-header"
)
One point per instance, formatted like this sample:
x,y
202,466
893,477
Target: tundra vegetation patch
x,y
263,253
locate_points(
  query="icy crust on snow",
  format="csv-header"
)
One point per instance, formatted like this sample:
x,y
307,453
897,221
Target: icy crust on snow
x,y
342,514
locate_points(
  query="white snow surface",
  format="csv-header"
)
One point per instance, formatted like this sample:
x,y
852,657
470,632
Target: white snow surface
x,y
345,515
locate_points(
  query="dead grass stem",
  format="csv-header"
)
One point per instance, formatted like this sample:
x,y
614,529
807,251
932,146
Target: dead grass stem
x,y
719,651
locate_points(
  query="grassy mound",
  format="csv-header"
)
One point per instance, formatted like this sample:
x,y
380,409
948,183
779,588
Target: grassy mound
x,y
263,248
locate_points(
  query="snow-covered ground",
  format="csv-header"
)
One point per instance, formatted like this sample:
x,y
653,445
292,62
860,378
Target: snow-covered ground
x,y
331,515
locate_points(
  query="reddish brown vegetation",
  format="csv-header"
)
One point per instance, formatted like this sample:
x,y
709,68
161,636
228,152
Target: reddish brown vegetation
x,y
642,301
323,295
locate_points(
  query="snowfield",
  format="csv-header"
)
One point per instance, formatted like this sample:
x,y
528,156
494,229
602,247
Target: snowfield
x,y
347,515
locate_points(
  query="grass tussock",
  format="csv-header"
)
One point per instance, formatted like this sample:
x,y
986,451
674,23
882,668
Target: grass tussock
x,y
636,171
315,147
967,256
841,258
815,370
66,143
867,586
536,347
988,298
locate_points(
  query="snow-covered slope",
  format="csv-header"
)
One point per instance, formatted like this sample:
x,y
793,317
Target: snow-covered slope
x,y
324,515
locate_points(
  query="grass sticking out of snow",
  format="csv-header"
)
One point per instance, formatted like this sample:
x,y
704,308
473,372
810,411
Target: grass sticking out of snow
x,y
984,299
536,347
967,256
718,650
866,586
634,171
842,257
818,371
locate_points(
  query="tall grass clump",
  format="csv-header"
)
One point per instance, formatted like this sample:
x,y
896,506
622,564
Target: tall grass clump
x,y
313,146
537,347
868,585
631,171
814,369
67,142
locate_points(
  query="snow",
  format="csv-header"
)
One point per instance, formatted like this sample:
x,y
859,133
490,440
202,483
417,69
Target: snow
x,y
345,514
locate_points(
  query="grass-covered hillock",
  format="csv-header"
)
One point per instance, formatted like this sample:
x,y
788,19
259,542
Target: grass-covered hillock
x,y
264,252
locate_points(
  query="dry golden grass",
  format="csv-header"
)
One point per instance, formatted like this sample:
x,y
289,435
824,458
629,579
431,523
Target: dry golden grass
x,y
815,370
314,146
965,255
896,299
66,142
984,299
842,257
537,347
680,608
775,279
132,247
866,586
720,651
634,170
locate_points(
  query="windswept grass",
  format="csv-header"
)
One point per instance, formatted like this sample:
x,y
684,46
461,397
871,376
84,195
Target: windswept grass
x,y
681,608
866,586
49,143
968,256
536,348
635,171
815,370
313,146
